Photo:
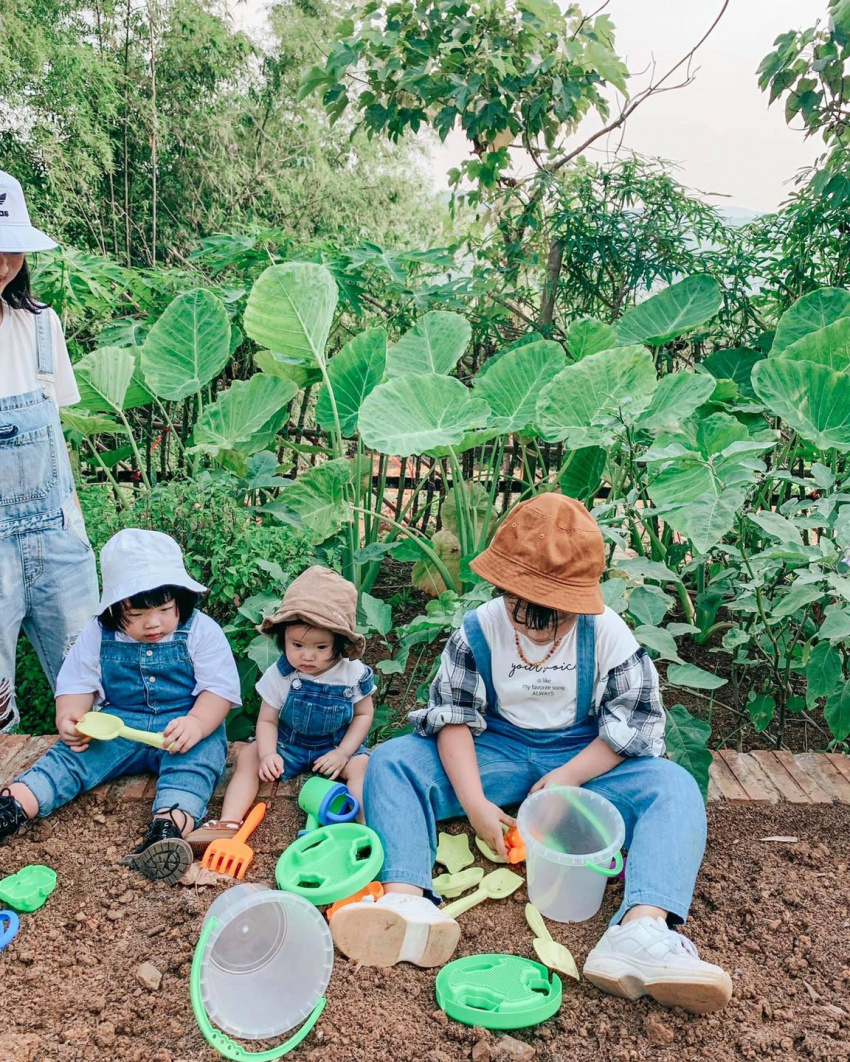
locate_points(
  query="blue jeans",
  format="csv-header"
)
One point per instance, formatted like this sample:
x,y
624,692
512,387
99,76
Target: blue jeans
x,y
185,778
48,586
407,792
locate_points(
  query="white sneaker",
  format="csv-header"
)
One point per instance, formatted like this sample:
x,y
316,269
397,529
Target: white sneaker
x,y
646,957
395,928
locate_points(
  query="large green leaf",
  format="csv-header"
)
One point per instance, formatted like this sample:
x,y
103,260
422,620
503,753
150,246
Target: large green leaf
x,y
735,364
188,346
511,388
434,344
823,673
79,419
317,502
584,402
828,346
677,396
672,312
240,411
837,712
290,310
301,375
809,314
812,399
411,414
354,373
588,336
103,378
696,678
523,341
708,518
687,738
581,473
659,640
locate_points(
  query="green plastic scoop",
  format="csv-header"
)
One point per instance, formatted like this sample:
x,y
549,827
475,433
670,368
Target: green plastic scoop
x,y
496,885
29,888
103,726
549,952
450,885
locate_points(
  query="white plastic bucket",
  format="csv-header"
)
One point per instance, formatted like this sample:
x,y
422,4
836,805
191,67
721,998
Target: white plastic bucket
x,y
571,837
267,962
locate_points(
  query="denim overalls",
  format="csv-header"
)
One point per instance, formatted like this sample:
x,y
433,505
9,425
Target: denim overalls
x,y
48,579
313,719
147,685
407,791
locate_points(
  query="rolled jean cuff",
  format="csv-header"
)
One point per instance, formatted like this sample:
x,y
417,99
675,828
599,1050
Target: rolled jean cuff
x,y
408,877
677,912
190,803
41,788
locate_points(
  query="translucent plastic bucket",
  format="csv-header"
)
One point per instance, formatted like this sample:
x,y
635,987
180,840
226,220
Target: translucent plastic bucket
x,y
266,963
571,837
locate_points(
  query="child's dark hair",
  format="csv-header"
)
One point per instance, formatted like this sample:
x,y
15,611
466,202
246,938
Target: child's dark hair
x,y
278,632
534,617
17,292
114,617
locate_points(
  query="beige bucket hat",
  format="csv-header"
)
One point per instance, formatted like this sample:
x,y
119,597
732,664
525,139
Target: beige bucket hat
x,y
320,597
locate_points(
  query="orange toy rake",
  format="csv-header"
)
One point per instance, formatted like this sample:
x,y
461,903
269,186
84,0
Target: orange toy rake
x,y
231,855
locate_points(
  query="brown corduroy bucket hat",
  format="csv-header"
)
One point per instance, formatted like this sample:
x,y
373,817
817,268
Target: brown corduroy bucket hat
x,y
321,598
548,551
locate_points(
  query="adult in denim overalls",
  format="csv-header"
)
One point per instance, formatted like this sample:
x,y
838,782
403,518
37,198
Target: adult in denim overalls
x,y
313,721
48,579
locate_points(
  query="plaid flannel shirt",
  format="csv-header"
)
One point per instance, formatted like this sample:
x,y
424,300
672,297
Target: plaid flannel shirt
x,y
630,714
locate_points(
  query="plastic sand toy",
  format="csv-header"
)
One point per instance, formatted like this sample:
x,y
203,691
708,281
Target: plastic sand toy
x,y
549,952
498,991
453,852
29,888
330,863
497,885
326,803
374,889
231,855
261,966
513,843
450,885
9,926
103,726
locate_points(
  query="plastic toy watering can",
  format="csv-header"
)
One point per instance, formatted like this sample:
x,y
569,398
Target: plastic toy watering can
x,y
326,803
261,967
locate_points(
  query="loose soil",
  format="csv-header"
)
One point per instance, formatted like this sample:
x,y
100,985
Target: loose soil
x,y
774,914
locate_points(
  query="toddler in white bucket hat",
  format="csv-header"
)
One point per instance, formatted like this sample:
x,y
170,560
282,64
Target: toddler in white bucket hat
x,y
151,658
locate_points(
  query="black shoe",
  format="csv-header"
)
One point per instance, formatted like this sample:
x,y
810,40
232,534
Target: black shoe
x,y
163,855
12,815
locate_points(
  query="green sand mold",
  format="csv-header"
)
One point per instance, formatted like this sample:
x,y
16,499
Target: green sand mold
x,y
29,888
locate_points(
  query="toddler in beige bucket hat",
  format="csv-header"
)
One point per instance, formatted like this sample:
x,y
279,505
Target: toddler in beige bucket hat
x,y
316,699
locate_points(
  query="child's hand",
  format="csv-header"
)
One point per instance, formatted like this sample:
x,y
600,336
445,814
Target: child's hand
x,y
560,776
66,727
182,734
271,767
486,819
331,763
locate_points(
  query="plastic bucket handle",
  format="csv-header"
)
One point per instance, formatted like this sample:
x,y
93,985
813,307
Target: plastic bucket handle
x,y
221,1041
9,933
607,872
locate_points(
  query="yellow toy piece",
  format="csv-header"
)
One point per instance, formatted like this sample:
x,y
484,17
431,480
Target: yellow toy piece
x,y
450,885
453,852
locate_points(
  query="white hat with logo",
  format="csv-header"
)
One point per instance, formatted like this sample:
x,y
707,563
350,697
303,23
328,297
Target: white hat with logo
x,y
134,561
17,235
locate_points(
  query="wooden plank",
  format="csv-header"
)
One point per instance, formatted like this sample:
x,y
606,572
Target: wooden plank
x,y
10,745
727,783
828,777
133,787
27,754
840,762
817,794
786,783
756,784
714,790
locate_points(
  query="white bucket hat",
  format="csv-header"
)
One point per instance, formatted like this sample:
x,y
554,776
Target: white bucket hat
x,y
134,561
17,235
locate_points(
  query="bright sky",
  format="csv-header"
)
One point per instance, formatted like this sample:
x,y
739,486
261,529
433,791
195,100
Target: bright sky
x,y
719,130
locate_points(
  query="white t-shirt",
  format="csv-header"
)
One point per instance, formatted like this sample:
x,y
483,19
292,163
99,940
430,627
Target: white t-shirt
x,y
19,361
274,687
544,698
209,651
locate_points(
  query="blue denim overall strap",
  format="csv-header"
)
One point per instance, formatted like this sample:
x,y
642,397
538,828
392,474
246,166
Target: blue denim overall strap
x,y
313,710
35,473
585,664
152,678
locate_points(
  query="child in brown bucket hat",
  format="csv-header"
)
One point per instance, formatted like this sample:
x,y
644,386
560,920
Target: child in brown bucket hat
x,y
543,685
316,699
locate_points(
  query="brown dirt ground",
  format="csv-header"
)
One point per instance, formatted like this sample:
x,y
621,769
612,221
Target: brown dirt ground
x,y
775,915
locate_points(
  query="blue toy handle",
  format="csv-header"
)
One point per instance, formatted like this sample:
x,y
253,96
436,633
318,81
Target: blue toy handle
x,y
11,930
347,813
